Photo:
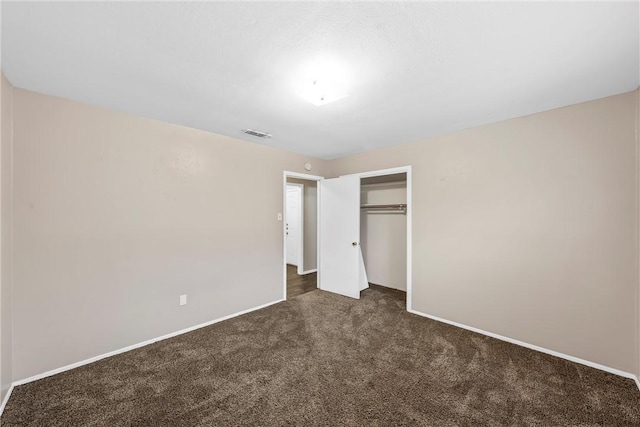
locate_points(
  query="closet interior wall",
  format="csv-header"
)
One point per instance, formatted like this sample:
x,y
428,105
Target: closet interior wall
x,y
383,232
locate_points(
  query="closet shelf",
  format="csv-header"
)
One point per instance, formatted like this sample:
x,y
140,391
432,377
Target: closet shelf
x,y
389,207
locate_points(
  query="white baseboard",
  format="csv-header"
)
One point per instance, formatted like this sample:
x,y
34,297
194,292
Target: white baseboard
x,y
308,272
230,316
532,347
125,349
6,399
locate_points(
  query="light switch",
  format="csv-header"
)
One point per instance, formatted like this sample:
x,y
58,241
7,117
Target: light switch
x,y
183,300
279,216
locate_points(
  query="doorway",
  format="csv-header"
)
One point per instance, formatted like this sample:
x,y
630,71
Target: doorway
x,y
345,274
341,262
293,221
300,229
383,232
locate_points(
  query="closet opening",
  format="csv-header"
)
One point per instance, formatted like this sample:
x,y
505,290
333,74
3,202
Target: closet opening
x,y
383,229
365,232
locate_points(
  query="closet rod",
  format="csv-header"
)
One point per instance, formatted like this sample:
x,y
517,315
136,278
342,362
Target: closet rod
x,y
390,206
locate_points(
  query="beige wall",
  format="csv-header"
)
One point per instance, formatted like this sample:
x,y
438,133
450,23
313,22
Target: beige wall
x,y
310,226
526,228
383,235
6,121
117,215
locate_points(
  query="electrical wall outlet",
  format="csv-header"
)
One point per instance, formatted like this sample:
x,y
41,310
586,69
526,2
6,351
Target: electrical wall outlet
x,y
183,300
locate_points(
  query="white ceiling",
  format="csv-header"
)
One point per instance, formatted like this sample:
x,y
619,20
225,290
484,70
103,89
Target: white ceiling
x,y
414,70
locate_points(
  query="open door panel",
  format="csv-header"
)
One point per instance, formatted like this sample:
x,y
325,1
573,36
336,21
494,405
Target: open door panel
x,y
340,270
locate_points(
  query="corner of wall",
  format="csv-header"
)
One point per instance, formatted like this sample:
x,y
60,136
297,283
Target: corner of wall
x,y
2,392
6,275
637,117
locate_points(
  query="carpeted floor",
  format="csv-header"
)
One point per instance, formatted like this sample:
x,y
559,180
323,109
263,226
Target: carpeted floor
x,y
323,359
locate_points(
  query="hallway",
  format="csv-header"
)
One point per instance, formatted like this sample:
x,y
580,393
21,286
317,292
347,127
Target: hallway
x,y
298,285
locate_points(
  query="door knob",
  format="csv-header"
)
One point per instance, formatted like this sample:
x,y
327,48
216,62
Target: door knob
x,y
354,243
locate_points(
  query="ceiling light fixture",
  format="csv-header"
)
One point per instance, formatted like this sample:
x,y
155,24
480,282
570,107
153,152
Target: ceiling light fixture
x,y
324,91
322,81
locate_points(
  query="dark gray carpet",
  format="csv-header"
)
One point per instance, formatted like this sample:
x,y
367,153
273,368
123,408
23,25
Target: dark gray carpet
x,y
322,359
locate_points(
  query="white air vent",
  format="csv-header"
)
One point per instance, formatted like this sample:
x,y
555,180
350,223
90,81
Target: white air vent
x,y
257,133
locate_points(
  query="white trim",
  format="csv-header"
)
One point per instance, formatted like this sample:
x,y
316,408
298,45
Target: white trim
x,y
6,398
301,229
409,213
393,171
314,270
285,175
300,260
318,242
532,347
297,175
381,172
635,377
138,345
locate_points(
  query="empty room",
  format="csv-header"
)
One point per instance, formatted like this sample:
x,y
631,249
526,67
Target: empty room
x,y
320,213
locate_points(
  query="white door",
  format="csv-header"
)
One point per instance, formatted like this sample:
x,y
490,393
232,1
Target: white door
x,y
340,235
292,225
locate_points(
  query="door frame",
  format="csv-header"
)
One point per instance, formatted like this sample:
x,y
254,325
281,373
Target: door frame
x,y
300,257
285,175
392,171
